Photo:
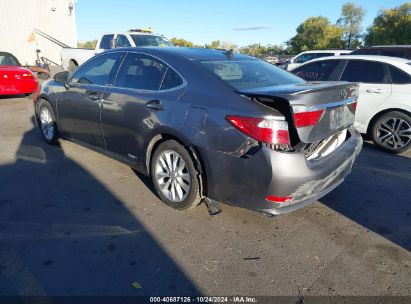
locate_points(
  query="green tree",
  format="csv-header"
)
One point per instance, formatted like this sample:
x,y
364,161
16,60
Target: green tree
x,y
216,44
391,26
316,33
88,44
182,42
350,21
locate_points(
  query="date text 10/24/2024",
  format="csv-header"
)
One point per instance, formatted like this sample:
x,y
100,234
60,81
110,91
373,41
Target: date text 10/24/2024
x,y
235,299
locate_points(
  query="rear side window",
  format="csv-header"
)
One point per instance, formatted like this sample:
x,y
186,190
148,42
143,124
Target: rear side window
x,y
317,71
140,72
398,76
105,42
97,71
364,71
122,41
171,80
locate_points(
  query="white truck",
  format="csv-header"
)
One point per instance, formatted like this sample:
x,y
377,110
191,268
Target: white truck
x,y
72,58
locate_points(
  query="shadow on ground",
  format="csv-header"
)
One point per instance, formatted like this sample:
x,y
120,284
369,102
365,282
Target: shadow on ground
x,y
63,233
377,195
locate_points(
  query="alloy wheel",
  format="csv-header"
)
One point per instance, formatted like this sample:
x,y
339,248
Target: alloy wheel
x,y
172,176
394,133
46,123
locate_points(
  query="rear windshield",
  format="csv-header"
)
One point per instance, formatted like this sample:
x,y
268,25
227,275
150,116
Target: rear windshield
x,y
8,59
150,40
250,74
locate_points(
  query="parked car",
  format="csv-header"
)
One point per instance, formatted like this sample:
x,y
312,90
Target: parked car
x,y
384,104
72,58
208,123
271,59
310,55
401,51
14,79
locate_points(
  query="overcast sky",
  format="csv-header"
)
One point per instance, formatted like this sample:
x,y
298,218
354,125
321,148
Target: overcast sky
x,y
241,22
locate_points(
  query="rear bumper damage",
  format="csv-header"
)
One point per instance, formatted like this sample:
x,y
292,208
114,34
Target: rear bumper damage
x,y
284,175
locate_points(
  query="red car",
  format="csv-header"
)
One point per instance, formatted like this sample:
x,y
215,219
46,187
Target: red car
x,y
14,79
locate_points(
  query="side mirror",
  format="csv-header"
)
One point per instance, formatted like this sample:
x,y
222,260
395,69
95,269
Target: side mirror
x,y
112,43
61,77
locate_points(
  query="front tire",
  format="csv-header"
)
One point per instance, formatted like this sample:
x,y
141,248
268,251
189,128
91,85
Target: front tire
x,y
47,123
174,176
392,132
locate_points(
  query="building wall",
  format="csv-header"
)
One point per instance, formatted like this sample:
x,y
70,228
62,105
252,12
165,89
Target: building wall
x,y
18,18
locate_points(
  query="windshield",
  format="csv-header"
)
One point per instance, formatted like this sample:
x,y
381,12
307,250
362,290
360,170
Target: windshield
x,y
250,74
8,59
150,40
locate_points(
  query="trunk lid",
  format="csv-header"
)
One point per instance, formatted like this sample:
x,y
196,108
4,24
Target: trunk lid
x,y
317,110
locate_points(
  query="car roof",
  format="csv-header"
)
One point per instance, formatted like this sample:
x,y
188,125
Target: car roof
x,y
387,59
326,51
189,53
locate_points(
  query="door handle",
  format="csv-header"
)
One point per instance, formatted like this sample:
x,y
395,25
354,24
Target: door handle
x,y
376,91
155,105
94,97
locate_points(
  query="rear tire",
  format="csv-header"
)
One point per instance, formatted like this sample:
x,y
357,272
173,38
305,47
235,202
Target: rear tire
x,y
392,132
175,178
47,123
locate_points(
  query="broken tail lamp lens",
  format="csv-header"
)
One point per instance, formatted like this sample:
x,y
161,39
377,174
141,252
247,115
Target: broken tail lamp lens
x,y
307,119
265,130
278,199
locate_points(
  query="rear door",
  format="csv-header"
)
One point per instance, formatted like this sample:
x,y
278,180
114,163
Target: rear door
x,y
375,87
79,105
141,92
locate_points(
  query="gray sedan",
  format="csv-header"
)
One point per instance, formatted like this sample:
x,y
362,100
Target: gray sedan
x,y
208,124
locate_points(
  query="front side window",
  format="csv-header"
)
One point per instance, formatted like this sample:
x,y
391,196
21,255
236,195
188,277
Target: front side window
x,y
97,71
317,71
140,72
364,71
8,59
398,76
122,41
105,43
304,58
150,40
250,74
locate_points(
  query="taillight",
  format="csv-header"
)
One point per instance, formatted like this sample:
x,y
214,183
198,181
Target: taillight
x,y
277,199
266,130
355,105
28,76
24,76
306,119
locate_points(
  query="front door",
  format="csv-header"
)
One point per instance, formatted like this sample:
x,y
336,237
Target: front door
x,y
78,107
141,92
